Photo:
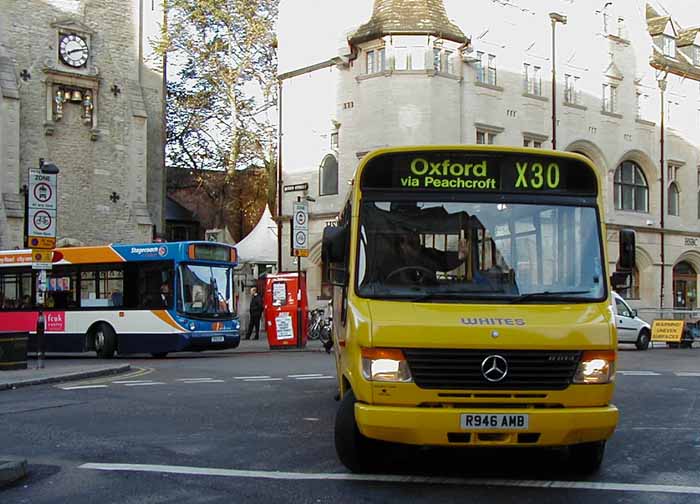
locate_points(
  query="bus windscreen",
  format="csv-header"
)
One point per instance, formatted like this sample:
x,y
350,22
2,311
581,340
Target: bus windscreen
x,y
479,172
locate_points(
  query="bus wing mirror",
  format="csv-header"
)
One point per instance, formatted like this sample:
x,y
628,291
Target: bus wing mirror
x,y
627,260
335,240
620,280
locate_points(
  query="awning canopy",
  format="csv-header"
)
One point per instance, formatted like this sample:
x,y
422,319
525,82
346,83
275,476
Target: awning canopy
x,y
260,245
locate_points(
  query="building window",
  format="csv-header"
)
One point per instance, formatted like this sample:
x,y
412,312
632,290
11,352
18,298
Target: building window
x,y
531,142
417,55
631,188
669,46
485,137
609,98
642,105
376,61
334,141
401,58
328,176
673,199
571,94
696,55
443,61
532,79
486,68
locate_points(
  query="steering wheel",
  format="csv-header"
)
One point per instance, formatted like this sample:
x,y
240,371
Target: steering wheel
x,y
423,274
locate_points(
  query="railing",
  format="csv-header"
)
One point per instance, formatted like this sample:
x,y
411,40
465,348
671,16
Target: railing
x,y
651,314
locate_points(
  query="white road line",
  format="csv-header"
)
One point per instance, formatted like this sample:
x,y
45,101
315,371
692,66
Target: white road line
x,y
124,382
249,377
279,475
303,375
143,384
328,377
262,379
80,387
639,373
204,381
686,374
194,379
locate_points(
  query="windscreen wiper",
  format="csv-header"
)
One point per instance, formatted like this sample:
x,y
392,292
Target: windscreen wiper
x,y
546,295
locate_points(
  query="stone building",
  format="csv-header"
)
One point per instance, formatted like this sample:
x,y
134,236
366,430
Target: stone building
x,y
80,86
410,75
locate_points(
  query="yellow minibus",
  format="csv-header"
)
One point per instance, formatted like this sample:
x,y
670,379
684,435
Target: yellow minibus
x,y
472,303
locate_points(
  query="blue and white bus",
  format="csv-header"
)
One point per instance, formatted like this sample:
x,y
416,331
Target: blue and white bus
x,y
153,298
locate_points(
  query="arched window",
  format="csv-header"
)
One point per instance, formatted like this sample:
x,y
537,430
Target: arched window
x,y
631,188
673,199
328,176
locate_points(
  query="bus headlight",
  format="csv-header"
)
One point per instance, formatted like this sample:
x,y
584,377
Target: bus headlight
x,y
193,326
596,367
385,365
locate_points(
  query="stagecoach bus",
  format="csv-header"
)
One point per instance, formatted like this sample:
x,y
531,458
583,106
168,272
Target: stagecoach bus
x,y
151,298
472,303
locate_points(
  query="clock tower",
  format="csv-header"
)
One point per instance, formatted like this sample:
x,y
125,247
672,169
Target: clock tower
x,y
81,86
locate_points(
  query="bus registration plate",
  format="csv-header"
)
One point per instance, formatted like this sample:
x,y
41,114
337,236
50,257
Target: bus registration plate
x,y
470,421
217,339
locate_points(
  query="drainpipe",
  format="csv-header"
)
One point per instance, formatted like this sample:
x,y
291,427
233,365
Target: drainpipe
x,y
662,87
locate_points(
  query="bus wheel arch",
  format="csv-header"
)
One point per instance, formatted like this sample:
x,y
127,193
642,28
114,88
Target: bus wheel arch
x,y
103,339
356,451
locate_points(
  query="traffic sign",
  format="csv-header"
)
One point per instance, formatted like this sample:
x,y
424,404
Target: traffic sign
x,y
42,210
300,229
40,242
42,190
42,223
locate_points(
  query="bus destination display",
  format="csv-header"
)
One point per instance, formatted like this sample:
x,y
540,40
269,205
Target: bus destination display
x,y
479,172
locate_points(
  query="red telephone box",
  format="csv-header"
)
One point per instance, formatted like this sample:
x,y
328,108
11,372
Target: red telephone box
x,y
284,296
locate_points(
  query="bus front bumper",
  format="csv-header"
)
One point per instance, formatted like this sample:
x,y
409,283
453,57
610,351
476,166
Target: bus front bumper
x,y
442,427
211,340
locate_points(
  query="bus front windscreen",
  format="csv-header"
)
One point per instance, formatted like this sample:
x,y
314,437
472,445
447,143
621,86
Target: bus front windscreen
x,y
206,291
447,250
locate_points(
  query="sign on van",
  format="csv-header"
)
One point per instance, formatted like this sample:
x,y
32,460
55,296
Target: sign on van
x,y
667,330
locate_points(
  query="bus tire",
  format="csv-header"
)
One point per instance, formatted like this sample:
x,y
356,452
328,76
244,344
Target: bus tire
x,y
643,340
105,340
354,450
159,355
586,458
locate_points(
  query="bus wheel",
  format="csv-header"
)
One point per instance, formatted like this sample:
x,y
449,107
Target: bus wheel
x,y
586,458
354,450
105,341
159,355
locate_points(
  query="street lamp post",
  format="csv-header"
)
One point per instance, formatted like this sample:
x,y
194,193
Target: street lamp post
x,y
662,168
556,18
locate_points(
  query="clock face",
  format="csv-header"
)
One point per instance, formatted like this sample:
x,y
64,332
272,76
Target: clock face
x,y
73,50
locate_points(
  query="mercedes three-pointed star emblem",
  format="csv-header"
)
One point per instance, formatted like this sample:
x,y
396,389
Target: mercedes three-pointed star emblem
x,y
494,368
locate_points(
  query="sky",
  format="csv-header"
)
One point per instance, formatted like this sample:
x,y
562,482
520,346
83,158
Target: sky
x,y
685,12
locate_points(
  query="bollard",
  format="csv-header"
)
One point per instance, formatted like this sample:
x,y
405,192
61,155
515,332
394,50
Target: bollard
x,y
40,324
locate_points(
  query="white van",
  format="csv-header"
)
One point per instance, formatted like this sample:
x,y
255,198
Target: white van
x,y
630,328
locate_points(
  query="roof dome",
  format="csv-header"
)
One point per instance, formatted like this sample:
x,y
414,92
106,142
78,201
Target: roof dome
x,y
408,17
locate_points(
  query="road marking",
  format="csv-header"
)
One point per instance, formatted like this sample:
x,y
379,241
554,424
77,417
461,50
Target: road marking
x,y
124,382
203,381
194,379
327,377
262,379
390,478
249,377
80,387
687,374
303,375
639,373
140,384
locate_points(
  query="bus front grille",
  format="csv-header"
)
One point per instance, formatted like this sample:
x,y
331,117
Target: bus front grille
x,y
450,369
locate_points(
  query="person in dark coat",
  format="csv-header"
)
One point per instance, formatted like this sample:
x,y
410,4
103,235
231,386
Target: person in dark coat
x,y
256,309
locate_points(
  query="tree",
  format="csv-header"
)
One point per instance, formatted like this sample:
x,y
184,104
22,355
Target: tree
x,y
221,90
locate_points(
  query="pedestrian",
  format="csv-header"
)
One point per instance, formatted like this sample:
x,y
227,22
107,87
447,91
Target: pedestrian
x,y
256,308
